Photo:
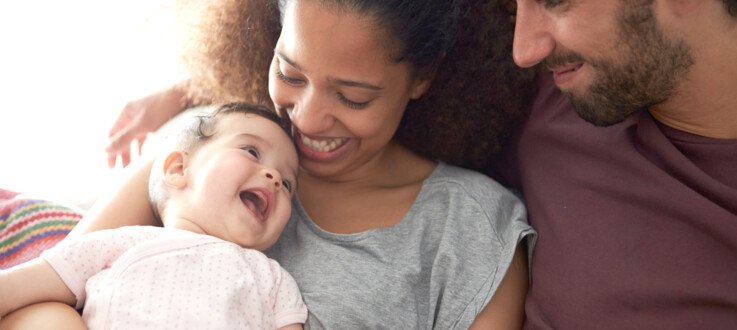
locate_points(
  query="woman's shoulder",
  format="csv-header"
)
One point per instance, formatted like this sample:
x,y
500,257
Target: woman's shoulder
x,y
465,182
464,195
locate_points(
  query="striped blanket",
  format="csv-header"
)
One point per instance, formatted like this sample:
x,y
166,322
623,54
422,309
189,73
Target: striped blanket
x,y
29,226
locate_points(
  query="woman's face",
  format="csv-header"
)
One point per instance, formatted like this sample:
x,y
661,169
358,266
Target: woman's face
x,y
333,76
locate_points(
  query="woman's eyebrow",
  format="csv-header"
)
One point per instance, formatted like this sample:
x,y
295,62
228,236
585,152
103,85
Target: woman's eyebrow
x,y
359,84
285,58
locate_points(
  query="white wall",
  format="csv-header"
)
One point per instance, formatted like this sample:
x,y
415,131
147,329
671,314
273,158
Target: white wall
x,y
66,70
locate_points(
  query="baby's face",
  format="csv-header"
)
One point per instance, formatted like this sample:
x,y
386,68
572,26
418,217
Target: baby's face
x,y
240,182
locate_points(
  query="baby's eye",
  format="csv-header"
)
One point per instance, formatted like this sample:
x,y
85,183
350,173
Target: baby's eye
x,y
253,151
288,184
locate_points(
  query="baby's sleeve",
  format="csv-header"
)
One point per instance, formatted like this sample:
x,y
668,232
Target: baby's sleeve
x,y
289,308
77,259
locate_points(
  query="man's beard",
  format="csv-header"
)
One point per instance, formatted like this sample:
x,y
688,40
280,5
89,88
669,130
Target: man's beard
x,y
652,68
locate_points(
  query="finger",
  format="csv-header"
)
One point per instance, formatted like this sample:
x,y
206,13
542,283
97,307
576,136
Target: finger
x,y
122,121
121,141
111,158
125,157
141,140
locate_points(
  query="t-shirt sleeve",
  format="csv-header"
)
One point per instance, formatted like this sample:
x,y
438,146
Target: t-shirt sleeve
x,y
476,250
77,259
289,308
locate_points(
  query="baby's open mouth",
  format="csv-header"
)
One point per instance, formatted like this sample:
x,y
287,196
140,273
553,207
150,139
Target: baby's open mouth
x,y
257,202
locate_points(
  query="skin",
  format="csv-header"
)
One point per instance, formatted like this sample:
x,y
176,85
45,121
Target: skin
x,y
689,32
336,56
47,315
246,154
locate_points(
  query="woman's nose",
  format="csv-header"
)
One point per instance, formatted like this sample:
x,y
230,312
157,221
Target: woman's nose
x,y
312,114
533,41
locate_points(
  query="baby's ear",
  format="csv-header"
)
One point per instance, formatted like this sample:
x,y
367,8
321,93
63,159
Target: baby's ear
x,y
174,174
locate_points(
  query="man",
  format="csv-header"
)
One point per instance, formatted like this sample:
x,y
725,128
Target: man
x,y
634,194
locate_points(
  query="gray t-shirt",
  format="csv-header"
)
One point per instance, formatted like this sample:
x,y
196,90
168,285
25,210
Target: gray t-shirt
x,y
435,269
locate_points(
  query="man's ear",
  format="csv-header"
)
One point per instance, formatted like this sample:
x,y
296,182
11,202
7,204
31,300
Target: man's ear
x,y
174,174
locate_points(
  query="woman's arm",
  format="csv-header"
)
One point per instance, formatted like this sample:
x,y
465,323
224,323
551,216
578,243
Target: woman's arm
x,y
506,310
125,205
47,315
32,282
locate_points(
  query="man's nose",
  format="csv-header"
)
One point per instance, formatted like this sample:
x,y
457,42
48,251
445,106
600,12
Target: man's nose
x,y
533,40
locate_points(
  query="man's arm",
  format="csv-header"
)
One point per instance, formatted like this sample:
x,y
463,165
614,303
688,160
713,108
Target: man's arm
x,y
29,283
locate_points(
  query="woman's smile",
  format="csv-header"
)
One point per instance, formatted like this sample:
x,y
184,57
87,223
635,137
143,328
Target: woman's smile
x,y
321,149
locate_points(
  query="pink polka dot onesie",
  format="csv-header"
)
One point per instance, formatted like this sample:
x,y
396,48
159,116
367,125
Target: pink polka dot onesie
x,y
162,278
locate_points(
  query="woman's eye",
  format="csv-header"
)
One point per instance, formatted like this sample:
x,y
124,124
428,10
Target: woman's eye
x,y
286,79
288,184
253,151
352,104
552,3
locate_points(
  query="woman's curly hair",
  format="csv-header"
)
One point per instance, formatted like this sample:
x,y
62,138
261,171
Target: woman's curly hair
x,y
230,49
477,96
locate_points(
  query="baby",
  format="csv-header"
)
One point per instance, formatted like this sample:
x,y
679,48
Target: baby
x,y
223,194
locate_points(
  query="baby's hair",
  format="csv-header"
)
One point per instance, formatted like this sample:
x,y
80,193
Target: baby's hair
x,y
260,110
196,133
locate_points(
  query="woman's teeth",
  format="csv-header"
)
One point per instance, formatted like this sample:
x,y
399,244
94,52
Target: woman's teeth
x,y
322,145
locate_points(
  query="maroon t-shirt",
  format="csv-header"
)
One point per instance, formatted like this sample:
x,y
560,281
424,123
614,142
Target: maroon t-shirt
x,y
637,222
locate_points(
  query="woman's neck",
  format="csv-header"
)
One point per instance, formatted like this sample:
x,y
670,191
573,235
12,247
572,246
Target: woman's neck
x,y
377,198
395,166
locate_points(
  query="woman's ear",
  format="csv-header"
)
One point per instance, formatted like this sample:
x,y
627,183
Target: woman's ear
x,y
420,87
424,80
174,174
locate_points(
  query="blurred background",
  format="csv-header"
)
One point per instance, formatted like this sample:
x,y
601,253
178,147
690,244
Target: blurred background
x,y
67,68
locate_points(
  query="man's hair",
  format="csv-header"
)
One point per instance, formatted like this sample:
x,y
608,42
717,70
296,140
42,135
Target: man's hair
x,y
193,134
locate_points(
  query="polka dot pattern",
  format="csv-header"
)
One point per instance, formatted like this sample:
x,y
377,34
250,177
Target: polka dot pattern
x,y
151,277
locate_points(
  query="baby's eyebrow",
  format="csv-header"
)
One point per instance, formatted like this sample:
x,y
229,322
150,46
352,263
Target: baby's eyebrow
x,y
258,138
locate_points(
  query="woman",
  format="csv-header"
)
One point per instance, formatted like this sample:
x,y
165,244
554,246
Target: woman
x,y
385,232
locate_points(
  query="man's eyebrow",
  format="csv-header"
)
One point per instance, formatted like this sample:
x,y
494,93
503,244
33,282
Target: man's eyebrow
x,y
341,82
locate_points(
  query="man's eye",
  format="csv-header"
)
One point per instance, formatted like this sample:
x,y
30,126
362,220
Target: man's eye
x,y
253,151
288,184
